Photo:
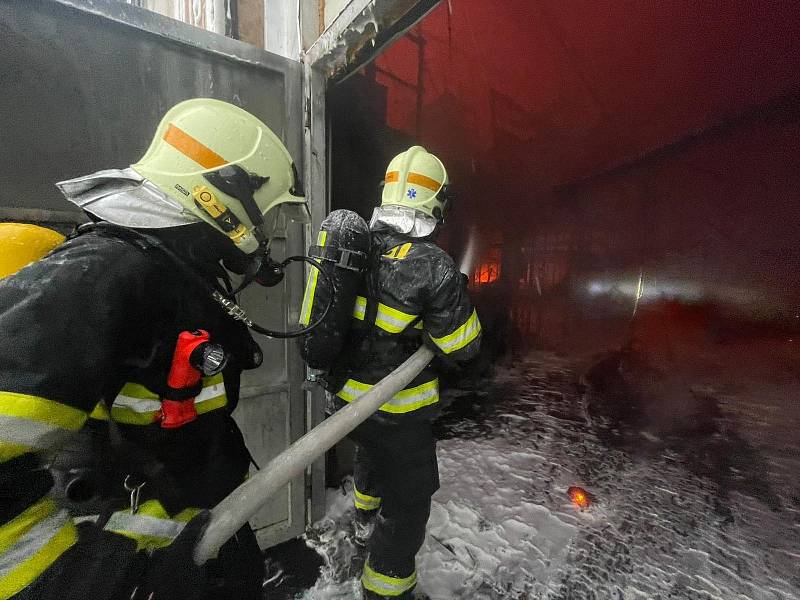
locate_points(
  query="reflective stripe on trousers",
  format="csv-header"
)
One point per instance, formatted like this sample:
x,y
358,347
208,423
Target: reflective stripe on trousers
x,y
32,424
151,527
384,585
365,501
137,405
31,542
402,402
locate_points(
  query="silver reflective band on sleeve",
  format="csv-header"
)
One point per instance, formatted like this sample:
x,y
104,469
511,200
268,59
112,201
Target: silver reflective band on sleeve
x,y
461,337
393,320
31,542
32,423
137,405
144,525
387,318
36,435
210,392
34,540
151,527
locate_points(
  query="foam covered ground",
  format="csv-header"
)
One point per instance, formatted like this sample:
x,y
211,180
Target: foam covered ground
x,y
503,527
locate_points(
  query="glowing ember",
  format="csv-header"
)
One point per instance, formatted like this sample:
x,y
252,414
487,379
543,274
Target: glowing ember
x,y
579,496
487,273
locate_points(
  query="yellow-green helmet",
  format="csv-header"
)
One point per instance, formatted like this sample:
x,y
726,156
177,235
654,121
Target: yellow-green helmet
x,y
227,167
416,179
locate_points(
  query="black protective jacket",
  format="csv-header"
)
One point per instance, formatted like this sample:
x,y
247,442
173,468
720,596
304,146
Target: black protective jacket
x,y
413,294
101,311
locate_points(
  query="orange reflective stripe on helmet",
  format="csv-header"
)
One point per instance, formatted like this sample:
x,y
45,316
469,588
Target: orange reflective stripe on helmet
x,y
190,147
424,181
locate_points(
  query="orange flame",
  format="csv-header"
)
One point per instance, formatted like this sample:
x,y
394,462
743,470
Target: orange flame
x,y
487,273
579,496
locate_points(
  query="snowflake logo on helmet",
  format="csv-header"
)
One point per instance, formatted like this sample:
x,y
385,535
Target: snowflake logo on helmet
x,y
412,193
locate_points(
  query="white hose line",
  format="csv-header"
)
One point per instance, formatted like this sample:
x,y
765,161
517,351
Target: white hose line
x,y
241,504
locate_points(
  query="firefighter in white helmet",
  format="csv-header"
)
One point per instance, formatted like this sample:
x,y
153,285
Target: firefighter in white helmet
x,y
126,321
413,294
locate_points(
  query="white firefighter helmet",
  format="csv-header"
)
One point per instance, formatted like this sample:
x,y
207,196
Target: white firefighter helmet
x,y
417,179
226,167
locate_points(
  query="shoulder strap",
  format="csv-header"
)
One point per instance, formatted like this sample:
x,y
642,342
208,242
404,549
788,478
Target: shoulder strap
x,y
372,289
342,257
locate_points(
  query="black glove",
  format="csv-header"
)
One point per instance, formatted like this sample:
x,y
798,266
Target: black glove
x,y
171,573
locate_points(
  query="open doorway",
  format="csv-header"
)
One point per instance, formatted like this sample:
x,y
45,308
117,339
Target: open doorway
x,y
626,216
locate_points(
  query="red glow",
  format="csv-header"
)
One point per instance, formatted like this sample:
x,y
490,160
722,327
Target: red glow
x,y
579,496
487,273
533,92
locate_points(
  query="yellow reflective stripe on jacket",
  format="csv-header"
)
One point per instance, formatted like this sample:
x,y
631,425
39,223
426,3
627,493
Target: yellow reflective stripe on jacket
x,y
100,412
311,285
365,501
384,585
32,423
402,402
31,542
360,308
212,397
151,527
387,318
137,405
461,336
392,320
398,252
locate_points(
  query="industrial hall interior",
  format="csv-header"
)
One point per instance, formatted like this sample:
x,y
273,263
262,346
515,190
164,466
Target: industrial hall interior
x,y
399,300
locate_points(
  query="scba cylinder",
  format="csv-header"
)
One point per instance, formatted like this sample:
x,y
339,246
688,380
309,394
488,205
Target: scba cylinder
x,y
342,249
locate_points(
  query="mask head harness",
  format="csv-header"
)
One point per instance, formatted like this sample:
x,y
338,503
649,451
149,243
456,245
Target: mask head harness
x,y
235,181
446,197
238,183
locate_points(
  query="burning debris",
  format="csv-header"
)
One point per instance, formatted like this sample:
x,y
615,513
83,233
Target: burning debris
x,y
580,497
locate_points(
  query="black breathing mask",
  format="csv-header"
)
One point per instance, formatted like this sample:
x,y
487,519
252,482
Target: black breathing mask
x,y
259,267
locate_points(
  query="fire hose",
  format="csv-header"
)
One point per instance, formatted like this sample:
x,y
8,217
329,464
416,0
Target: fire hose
x,y
235,510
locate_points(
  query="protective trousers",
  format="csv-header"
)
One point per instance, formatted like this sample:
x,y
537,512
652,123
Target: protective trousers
x,y
395,476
